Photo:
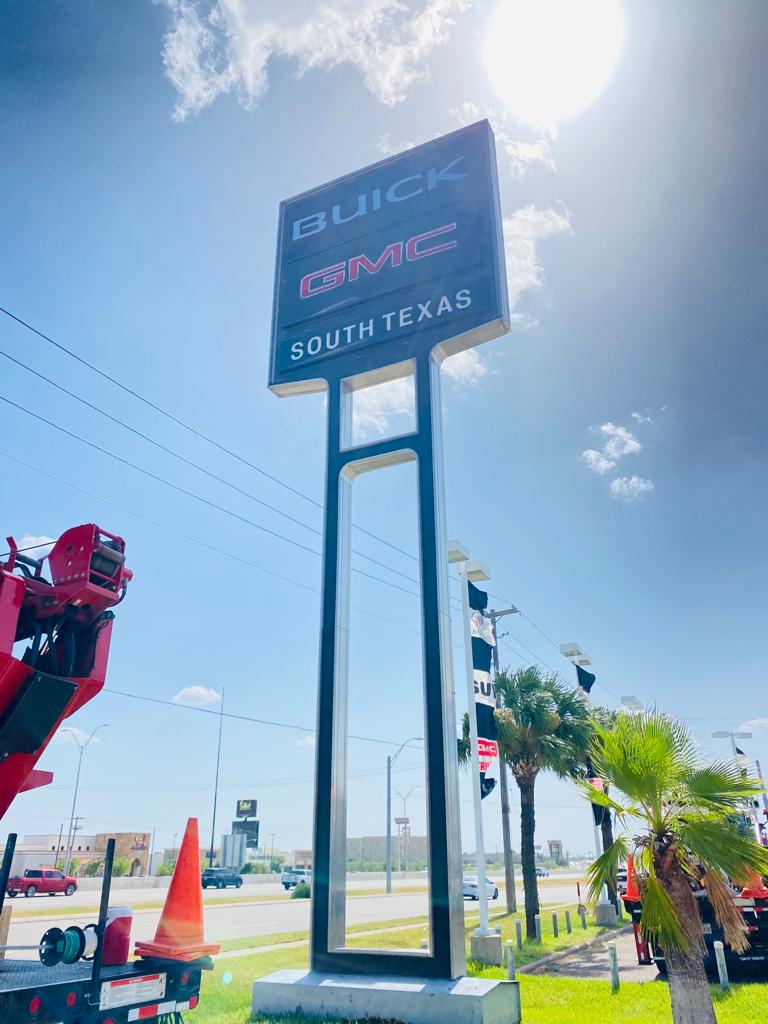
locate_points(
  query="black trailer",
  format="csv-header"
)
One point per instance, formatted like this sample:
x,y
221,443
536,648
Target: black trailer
x,y
86,991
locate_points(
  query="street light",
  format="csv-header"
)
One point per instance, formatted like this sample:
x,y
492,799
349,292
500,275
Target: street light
x,y
605,912
82,747
390,761
733,736
474,572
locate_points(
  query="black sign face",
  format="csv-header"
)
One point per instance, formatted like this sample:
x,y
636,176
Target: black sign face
x,y
390,261
249,829
246,809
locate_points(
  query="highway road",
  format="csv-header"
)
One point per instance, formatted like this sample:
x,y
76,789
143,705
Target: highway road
x,y
225,919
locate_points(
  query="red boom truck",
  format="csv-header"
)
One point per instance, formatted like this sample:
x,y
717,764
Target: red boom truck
x,y
56,617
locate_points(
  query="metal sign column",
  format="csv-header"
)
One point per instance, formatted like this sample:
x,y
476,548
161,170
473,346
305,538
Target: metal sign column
x,y
446,957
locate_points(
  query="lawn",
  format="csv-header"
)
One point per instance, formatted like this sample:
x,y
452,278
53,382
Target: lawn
x,y
226,997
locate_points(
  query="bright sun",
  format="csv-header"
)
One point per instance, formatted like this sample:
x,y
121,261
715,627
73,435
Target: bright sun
x,y
549,59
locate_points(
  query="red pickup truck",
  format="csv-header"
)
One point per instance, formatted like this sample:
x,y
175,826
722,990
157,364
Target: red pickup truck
x,y
41,880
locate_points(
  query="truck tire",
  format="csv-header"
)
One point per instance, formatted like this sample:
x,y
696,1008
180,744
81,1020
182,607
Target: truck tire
x,y
70,890
238,883
286,886
12,893
30,890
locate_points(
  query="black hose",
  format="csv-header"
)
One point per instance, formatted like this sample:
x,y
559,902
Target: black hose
x,y
34,651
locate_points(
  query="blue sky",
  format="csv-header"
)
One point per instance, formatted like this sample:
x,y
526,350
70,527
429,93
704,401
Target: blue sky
x,y
146,149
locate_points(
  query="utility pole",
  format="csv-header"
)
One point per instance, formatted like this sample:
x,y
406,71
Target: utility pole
x,y
509,857
216,783
390,762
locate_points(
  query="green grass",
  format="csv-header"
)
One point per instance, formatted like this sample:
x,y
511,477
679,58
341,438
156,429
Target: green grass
x,y
226,997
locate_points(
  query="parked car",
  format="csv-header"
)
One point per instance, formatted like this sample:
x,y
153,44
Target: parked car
x,y
42,880
472,888
220,878
542,873
293,876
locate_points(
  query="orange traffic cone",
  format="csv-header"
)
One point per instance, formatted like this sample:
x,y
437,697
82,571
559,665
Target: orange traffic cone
x,y
179,934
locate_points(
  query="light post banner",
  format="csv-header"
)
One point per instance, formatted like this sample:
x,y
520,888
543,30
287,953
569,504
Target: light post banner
x,y
481,629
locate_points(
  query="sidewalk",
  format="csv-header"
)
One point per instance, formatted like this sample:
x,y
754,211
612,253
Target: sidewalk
x,y
592,963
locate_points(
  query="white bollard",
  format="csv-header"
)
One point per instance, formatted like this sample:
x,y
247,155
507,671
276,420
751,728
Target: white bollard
x,y
583,916
537,921
519,934
555,924
568,925
614,962
722,968
509,946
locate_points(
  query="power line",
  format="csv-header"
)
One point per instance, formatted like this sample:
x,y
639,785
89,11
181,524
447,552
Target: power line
x,y
194,540
192,494
187,426
190,462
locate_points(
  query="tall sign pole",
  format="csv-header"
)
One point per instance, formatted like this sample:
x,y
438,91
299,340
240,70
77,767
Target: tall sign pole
x,y
381,275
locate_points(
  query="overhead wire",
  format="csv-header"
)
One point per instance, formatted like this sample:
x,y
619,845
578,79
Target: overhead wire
x,y
188,426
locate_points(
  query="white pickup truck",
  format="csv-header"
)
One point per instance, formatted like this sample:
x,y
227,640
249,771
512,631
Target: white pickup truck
x,y
294,876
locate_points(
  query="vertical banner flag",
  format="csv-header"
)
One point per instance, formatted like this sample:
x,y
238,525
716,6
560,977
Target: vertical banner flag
x,y
481,631
599,813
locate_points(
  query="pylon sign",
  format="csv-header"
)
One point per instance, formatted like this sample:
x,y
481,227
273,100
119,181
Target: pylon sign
x,y
381,274
390,261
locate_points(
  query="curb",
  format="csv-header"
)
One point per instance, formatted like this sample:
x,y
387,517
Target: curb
x,y
553,958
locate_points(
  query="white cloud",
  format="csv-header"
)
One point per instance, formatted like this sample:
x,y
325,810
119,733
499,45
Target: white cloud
x,y
597,461
519,154
619,441
215,47
523,230
197,696
375,408
753,725
640,417
42,544
306,741
466,368
630,488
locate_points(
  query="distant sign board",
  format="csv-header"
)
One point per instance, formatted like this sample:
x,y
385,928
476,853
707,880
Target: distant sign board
x,y
246,809
249,829
388,262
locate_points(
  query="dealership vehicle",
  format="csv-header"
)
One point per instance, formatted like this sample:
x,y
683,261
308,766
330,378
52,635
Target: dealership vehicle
x,y
542,873
59,611
42,881
220,878
472,888
292,877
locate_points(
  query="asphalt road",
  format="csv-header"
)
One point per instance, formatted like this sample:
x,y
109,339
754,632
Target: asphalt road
x,y
227,920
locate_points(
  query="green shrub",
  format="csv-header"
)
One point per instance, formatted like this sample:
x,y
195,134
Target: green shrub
x,y
301,892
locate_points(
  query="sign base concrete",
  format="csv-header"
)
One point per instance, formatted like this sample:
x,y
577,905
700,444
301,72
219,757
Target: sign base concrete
x,y
409,1000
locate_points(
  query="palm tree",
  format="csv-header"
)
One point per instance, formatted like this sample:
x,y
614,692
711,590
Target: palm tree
x,y
680,825
542,725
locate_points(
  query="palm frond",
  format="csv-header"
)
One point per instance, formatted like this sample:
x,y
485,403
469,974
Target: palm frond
x,y
659,921
720,784
604,870
599,797
718,844
726,912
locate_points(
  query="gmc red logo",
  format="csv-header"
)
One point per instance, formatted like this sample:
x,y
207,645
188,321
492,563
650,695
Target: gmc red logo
x,y
416,248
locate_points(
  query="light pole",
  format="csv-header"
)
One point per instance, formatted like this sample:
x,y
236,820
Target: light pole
x,y
474,572
509,856
406,827
390,761
605,912
733,736
82,747
272,849
216,782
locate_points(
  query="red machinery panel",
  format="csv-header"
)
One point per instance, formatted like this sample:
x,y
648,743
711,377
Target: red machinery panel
x,y
61,605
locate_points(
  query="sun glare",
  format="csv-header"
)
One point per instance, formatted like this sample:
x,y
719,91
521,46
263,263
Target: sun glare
x,y
549,59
